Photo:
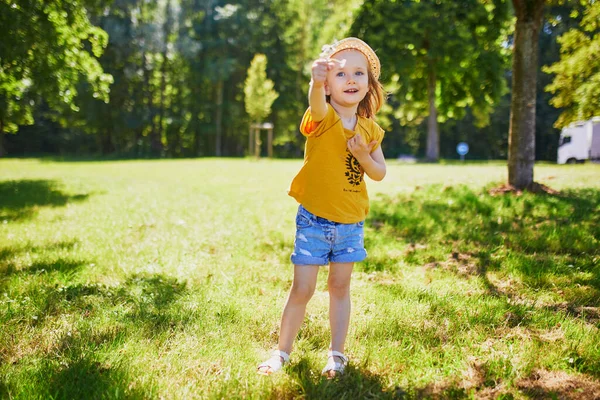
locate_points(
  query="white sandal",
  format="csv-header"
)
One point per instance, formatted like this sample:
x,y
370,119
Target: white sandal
x,y
333,366
275,363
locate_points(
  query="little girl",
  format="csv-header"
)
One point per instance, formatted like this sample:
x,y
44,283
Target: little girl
x,y
343,142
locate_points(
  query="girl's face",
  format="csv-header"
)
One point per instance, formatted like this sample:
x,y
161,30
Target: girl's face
x,y
348,84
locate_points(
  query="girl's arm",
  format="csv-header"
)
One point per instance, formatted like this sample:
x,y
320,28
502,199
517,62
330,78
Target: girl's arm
x,y
316,100
373,163
316,93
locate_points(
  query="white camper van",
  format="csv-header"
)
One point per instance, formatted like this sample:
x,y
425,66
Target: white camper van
x,y
580,141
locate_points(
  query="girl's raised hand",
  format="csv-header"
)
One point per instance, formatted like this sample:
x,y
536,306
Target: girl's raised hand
x,y
321,66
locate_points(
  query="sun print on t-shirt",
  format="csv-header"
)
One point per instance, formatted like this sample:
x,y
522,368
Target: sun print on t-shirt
x,y
353,173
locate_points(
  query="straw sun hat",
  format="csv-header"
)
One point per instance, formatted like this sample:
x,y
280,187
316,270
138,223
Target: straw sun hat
x,y
356,44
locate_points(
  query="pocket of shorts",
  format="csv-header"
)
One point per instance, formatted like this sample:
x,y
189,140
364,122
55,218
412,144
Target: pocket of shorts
x,y
302,221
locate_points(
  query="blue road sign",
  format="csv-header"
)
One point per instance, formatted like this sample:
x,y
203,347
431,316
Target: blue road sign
x,y
462,148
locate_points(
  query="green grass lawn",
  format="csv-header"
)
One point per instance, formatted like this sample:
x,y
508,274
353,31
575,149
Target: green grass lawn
x,y
166,279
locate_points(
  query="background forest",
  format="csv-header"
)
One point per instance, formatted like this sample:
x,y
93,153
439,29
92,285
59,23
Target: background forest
x,y
165,78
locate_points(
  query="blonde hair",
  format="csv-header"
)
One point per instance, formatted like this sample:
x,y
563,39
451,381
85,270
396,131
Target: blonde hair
x,y
374,99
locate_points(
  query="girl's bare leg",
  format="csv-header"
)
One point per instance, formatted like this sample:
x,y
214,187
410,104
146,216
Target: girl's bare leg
x,y
303,287
338,284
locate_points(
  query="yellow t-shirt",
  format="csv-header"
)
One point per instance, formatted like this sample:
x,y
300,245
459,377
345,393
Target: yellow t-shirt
x,y
330,183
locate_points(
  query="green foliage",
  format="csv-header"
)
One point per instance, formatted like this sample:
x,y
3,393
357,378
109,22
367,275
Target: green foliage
x,y
318,22
576,84
258,90
48,47
457,44
179,68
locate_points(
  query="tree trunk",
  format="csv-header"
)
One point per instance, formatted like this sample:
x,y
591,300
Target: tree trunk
x,y
161,107
198,145
521,134
219,118
2,151
139,141
164,71
107,145
250,141
270,143
174,132
257,143
433,136
155,142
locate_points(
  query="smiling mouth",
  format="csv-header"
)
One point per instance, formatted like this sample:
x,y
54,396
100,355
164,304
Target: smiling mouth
x,y
351,91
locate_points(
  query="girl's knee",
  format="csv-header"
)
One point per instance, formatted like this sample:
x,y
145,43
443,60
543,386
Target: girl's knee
x,y
338,288
301,293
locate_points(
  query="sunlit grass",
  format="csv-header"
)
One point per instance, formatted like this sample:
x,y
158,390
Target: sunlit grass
x,y
149,279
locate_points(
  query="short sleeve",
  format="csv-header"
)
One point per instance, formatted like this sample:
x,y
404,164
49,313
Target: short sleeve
x,y
371,132
378,135
308,127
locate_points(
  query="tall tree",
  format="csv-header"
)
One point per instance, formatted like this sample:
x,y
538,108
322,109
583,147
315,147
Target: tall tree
x,y
259,91
576,84
164,69
49,48
439,57
115,124
521,140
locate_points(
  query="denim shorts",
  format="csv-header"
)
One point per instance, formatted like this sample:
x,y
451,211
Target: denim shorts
x,y
320,241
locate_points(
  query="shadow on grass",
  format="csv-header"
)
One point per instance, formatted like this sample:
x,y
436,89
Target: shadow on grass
x,y
19,199
549,242
142,301
65,266
356,383
152,297
72,364
360,383
80,375
7,253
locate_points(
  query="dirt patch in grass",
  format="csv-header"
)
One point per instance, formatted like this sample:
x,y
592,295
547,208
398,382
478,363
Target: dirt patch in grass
x,y
18,347
511,289
533,188
474,383
589,314
462,264
560,385
541,384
